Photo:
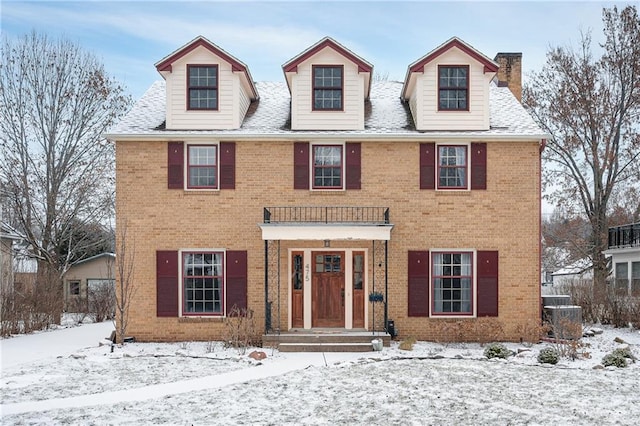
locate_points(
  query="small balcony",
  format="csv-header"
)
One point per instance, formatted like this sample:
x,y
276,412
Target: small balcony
x,y
327,215
624,236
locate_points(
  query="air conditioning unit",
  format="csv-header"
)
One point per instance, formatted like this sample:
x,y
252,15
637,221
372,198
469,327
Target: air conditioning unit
x,y
565,321
556,299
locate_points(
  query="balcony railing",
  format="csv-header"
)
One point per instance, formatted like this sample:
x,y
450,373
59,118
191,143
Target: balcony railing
x,y
624,236
359,215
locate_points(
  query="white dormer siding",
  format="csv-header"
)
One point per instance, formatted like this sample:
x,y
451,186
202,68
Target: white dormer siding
x,y
303,117
421,89
424,98
232,97
235,88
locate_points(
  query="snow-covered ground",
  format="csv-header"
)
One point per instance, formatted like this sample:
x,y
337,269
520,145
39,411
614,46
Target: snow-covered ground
x,y
66,377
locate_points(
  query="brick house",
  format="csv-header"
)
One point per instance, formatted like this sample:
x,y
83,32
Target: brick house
x,y
330,200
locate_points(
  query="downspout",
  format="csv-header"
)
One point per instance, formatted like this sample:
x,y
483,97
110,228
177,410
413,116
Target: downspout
x,y
543,144
386,285
267,314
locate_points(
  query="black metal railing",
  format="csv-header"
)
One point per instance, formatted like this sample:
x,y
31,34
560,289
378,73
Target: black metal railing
x,y
371,215
624,236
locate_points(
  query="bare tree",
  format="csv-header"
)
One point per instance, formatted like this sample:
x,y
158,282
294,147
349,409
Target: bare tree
x,y
591,108
126,287
56,101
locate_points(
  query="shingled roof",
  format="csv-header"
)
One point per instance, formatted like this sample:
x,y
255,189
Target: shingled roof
x,y
386,117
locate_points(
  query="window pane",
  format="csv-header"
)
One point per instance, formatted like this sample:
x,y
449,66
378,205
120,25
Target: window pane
x,y
327,170
202,166
452,283
327,88
201,288
452,172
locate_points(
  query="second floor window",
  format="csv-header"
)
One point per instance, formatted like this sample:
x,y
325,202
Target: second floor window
x,y
203,166
452,167
327,88
202,82
327,167
453,88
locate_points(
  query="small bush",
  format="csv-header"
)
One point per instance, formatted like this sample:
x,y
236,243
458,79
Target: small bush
x,y
497,350
616,359
548,356
625,353
407,344
240,331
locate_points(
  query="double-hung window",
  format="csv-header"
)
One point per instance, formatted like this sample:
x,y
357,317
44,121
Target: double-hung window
x,y
202,83
203,283
453,88
452,283
202,168
452,167
328,87
327,166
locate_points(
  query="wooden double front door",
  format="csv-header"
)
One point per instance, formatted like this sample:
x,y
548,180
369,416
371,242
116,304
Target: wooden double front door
x,y
328,289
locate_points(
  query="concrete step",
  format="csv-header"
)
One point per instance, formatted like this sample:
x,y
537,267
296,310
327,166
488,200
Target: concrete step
x,y
324,341
325,347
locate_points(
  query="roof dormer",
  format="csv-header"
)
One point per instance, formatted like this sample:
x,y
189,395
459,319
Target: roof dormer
x,y
448,88
207,88
329,85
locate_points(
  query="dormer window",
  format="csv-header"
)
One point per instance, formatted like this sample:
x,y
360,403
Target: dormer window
x,y
453,88
327,87
203,87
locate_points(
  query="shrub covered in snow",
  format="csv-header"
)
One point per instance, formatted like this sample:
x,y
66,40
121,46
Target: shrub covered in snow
x,y
616,359
548,356
497,350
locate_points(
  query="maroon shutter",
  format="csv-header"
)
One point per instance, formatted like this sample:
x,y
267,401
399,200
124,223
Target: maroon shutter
x,y
301,165
478,166
236,280
487,283
428,165
227,165
352,159
175,165
418,271
167,283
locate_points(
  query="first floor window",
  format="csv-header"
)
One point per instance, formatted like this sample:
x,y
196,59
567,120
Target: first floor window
x,y
452,167
452,283
202,166
327,167
202,283
202,84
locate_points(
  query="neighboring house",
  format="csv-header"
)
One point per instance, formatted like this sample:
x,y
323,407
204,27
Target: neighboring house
x,y
624,249
580,271
305,199
87,275
8,236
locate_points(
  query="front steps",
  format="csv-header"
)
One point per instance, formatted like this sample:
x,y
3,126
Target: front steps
x,y
324,341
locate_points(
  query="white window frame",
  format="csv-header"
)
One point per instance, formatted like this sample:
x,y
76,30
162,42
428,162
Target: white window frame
x,y
186,166
474,283
467,187
343,169
181,312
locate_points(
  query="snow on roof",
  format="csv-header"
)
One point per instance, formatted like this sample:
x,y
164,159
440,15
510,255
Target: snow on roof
x,y
386,116
578,267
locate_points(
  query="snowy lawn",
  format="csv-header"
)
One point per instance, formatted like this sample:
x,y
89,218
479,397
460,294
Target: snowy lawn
x,y
72,382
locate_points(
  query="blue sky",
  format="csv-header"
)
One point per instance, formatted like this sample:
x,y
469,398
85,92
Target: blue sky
x,y
131,36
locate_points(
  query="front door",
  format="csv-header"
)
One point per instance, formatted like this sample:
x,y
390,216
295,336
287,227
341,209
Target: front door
x,y
327,292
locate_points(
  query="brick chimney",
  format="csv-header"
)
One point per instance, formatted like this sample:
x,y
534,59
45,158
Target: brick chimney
x,y
510,72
